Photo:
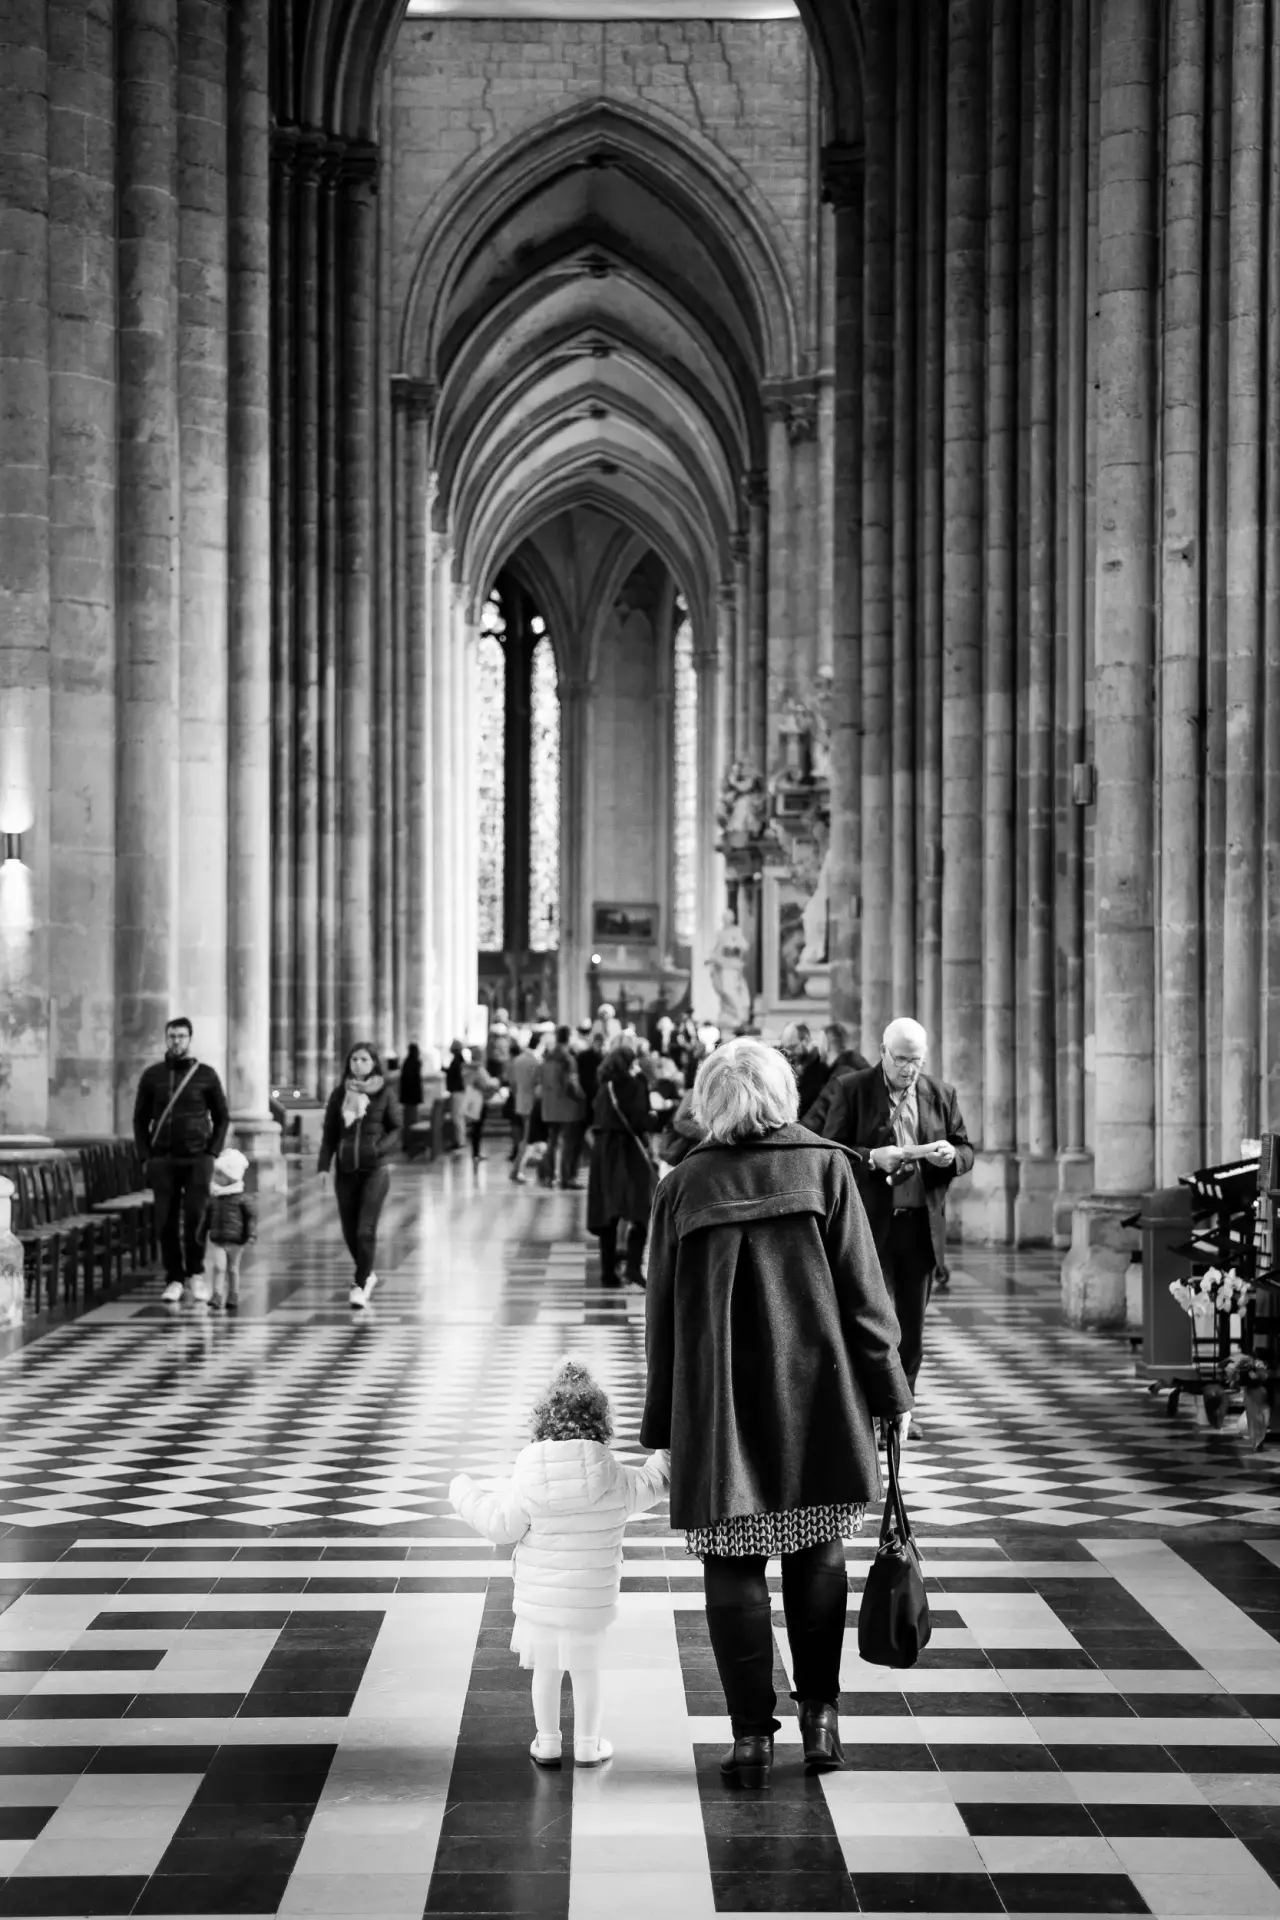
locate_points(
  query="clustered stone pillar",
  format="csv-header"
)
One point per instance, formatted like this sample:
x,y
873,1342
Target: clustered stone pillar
x,y
249,579
147,798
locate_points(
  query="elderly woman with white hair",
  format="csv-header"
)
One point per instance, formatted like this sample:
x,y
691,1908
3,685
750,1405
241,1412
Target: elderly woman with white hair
x,y
772,1348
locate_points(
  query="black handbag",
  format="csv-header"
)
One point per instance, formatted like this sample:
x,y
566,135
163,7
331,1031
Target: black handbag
x,y
894,1626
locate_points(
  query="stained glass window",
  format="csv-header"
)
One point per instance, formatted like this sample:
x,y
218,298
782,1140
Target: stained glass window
x,y
685,765
544,796
492,776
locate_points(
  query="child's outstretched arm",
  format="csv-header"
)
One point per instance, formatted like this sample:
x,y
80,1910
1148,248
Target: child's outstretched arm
x,y
647,1484
496,1513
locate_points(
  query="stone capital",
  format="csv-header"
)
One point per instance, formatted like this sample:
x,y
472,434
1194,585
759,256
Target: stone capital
x,y
755,487
802,417
356,166
415,398
740,547
842,175
311,152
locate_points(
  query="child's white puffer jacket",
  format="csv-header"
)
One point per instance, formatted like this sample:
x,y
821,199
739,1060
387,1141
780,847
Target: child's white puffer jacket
x,y
566,1504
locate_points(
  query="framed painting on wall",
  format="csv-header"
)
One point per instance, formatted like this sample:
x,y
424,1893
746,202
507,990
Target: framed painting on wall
x,y
619,924
789,988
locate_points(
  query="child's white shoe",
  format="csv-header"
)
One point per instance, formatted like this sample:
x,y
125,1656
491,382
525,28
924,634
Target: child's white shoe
x,y
591,1753
546,1749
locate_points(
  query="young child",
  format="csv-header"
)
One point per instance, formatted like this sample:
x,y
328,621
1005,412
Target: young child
x,y
233,1223
567,1503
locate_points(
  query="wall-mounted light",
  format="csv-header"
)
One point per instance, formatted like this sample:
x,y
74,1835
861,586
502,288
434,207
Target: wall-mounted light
x,y
12,844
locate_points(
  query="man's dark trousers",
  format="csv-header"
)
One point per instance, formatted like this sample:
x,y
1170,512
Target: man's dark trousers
x,y
907,1259
181,1188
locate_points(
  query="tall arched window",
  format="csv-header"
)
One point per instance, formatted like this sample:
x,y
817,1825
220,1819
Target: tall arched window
x,y
684,683
544,796
492,776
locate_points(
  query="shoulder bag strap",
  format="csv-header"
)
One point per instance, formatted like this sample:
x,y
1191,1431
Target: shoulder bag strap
x,y
626,1123
174,1098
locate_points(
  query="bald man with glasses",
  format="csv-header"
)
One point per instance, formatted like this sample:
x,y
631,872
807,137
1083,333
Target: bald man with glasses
x,y
908,1137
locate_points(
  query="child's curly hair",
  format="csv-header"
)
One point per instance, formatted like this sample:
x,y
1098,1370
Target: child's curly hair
x,y
574,1407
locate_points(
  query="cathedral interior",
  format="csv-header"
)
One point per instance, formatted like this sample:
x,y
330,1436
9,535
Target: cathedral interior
x,y
736,513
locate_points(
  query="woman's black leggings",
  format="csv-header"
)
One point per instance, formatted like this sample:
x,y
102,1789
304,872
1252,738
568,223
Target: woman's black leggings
x,y
360,1197
815,1594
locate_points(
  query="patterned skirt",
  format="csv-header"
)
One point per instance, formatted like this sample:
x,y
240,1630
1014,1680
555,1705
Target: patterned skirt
x,y
743,1534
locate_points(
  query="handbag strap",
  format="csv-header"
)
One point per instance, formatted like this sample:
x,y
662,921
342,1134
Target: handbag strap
x,y
894,1506
626,1123
174,1098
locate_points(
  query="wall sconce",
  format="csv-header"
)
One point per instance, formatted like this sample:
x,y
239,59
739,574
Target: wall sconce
x,y
12,843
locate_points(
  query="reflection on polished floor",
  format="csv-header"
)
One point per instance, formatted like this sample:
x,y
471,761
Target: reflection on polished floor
x,y
250,1664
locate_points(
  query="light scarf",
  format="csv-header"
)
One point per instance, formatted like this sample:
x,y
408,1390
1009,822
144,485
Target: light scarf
x,y
355,1100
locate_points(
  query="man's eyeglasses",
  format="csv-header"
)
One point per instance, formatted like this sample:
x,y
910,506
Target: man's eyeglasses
x,y
907,1059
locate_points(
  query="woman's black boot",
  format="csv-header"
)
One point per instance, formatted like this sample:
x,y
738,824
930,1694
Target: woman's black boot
x,y
749,1760
820,1732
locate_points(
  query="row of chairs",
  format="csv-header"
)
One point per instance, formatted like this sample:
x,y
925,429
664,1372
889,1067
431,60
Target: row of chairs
x,y
78,1213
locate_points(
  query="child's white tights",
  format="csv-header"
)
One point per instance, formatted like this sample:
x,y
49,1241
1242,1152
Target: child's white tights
x,y
586,1703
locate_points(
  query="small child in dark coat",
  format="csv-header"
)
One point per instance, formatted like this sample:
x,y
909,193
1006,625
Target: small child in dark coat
x,y
233,1223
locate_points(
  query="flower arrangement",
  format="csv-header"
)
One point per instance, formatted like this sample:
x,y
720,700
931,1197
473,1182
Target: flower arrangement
x,y
1251,1374
1212,1290
1247,1370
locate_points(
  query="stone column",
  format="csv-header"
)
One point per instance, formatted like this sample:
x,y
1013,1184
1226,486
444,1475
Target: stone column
x,y
805,556
709,667
442,778
25,586
249,577
355,907
932,222
877,541
147,799
779,679
1038,1165
1075,1164
1242,898
842,178
306,624
1124,951
1180,1051
82,563
284,221
413,399
827,445
201,972
960,1053
904,592
572,959
757,498
1271,630
741,549
331,296
986,1211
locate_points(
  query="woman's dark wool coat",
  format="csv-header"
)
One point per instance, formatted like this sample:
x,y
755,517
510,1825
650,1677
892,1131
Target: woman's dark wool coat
x,y
771,1339
622,1178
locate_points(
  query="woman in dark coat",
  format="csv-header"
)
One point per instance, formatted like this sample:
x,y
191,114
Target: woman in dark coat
x,y
622,1176
772,1347
362,1125
411,1089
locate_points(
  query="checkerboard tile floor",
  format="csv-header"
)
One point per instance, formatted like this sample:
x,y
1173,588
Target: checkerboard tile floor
x,y
249,1663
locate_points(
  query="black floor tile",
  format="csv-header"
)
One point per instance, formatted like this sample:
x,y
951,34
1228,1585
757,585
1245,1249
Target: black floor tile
x,y
293,1705
1069,1893
1265,1849
787,1892
72,1706
1121,1821
145,1622
505,1893
503,1852
1187,1706
1261,1706
27,1662
48,1894
108,1660
1073,1659
24,1823
1121,1758
1226,1759
253,1775
1251,1823
1051,1818
1080,1706
991,1757
220,1822
208,1857
227,1892
154,1759
968,1704
926,1893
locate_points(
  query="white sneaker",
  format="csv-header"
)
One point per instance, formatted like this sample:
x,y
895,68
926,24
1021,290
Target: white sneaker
x,y
356,1297
591,1753
369,1286
546,1750
200,1288
172,1293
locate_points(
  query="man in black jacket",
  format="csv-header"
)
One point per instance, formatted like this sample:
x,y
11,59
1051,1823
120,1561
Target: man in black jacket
x,y
180,1122
818,1084
881,1113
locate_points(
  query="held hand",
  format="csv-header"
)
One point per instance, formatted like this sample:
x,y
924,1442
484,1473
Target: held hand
x,y
886,1159
942,1154
901,1424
